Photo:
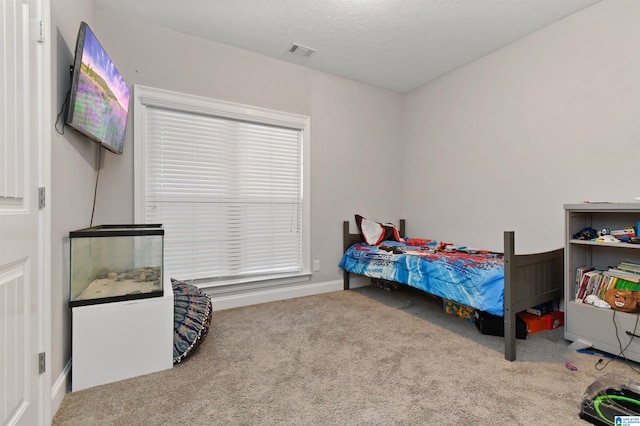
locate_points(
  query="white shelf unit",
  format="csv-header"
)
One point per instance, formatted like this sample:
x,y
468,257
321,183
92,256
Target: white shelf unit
x,y
119,340
611,331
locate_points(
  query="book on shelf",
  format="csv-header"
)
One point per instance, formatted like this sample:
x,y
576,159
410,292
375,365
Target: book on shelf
x,y
581,271
607,283
630,267
590,284
618,273
580,276
623,284
592,281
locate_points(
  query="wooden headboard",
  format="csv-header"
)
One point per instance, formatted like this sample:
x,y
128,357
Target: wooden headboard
x,y
350,239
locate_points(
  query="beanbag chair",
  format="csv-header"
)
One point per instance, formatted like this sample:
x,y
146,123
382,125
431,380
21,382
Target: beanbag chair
x,y
191,318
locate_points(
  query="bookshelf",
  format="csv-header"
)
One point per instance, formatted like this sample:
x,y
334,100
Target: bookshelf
x,y
607,330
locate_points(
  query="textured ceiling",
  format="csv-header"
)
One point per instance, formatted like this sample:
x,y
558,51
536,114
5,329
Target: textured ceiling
x,y
394,44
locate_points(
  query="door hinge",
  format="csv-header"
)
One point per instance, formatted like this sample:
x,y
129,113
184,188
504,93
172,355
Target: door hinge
x,y
37,30
41,32
42,367
41,197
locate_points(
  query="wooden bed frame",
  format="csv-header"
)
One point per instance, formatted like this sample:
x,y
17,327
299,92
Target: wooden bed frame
x,y
529,280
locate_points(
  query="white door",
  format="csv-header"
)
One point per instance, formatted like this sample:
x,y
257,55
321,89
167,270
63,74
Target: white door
x,y
21,133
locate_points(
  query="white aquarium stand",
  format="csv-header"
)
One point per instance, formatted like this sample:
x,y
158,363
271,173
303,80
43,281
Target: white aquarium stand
x,y
120,340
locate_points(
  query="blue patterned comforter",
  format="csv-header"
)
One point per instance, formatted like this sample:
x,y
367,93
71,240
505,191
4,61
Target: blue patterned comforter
x,y
466,276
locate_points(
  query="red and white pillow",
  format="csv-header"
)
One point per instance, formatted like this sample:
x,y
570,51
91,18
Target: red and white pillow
x,y
374,232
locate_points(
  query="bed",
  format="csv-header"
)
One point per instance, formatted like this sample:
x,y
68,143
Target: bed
x,y
502,284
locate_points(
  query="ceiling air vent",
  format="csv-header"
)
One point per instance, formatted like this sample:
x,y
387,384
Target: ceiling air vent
x,y
300,50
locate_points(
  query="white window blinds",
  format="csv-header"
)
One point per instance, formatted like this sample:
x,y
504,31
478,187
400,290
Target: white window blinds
x,y
228,192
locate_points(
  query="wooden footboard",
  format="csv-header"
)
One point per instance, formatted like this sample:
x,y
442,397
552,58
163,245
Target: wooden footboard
x,y
529,280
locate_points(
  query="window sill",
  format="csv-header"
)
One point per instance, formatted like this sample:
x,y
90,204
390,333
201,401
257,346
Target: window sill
x,y
241,285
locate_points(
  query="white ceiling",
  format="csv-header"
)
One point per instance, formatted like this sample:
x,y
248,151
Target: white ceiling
x,y
394,44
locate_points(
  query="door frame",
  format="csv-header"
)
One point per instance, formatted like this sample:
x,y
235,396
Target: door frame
x,y
42,97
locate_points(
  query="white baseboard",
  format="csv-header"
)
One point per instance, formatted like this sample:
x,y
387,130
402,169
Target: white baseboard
x,y
60,388
254,297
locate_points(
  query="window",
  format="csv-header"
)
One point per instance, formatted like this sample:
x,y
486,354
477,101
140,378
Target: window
x,y
229,184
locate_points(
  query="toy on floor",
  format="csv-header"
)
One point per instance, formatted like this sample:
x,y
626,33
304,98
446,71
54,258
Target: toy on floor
x,y
570,366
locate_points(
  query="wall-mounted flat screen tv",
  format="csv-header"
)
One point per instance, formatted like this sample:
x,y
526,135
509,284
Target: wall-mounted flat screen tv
x,y
99,96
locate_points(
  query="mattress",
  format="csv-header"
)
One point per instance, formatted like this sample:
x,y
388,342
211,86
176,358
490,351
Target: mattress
x,y
467,276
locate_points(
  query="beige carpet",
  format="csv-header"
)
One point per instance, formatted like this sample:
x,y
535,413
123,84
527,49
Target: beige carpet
x,y
364,357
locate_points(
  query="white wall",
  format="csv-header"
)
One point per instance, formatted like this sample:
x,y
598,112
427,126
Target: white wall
x,y
347,118
502,143
73,172
355,130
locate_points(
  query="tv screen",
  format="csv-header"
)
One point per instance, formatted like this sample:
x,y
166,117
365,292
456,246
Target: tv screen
x,y
99,96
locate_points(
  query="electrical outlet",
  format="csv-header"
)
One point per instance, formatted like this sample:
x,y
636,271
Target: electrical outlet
x,y
316,265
